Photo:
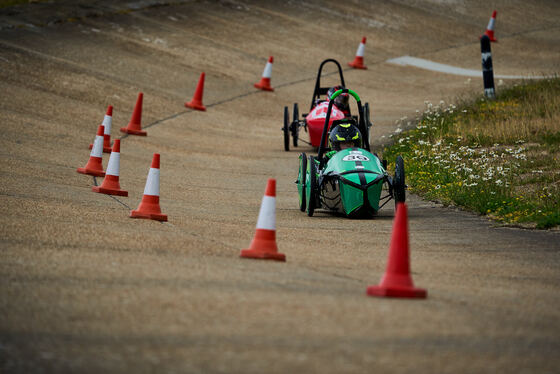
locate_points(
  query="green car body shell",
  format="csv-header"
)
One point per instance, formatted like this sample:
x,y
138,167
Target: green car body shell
x,y
350,183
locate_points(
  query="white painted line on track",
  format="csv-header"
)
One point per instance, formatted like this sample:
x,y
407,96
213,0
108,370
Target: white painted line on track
x,y
448,69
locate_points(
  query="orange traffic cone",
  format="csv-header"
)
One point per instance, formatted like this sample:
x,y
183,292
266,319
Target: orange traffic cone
x,y
149,207
397,281
135,125
490,28
95,164
358,62
110,185
196,102
264,83
263,245
107,121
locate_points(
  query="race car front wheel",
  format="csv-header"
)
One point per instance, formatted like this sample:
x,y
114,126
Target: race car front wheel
x,y
399,186
301,180
286,129
295,125
311,187
368,121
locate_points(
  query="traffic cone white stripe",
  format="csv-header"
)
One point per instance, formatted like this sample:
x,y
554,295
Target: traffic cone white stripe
x,y
267,214
114,163
361,49
97,149
267,73
491,24
152,183
107,121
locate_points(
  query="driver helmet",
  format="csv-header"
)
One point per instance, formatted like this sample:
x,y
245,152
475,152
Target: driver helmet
x,y
341,101
345,135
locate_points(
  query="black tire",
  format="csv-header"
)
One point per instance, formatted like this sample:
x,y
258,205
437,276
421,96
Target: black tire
x,y
286,129
367,115
399,185
295,125
301,179
312,198
367,121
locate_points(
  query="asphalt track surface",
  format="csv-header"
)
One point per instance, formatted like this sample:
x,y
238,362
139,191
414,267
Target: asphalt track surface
x,y
86,289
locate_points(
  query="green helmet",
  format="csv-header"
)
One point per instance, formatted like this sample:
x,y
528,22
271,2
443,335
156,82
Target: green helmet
x,y
345,133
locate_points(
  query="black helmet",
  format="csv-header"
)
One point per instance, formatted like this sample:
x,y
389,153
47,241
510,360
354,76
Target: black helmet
x,y
345,133
341,101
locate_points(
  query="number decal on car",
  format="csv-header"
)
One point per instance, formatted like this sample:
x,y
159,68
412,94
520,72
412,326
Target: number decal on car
x,y
355,157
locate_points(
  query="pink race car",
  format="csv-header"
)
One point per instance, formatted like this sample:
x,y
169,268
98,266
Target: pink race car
x,y
314,121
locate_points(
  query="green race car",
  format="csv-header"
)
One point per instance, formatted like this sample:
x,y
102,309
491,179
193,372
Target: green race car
x,y
345,177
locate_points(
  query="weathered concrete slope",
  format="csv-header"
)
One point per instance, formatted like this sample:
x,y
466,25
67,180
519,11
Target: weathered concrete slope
x,y
86,289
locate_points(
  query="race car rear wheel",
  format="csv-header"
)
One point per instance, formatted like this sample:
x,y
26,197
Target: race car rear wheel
x,y
311,188
399,186
295,125
301,180
367,118
286,129
367,122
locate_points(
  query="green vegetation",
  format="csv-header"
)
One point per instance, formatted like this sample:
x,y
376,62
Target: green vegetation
x,y
495,157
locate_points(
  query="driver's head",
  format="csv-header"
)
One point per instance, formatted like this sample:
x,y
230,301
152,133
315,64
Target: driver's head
x,y
341,101
347,144
345,135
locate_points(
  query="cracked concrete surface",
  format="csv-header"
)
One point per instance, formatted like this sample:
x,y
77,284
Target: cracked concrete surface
x,y
86,289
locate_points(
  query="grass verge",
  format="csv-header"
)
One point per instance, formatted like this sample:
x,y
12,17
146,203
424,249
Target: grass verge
x,y
496,157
